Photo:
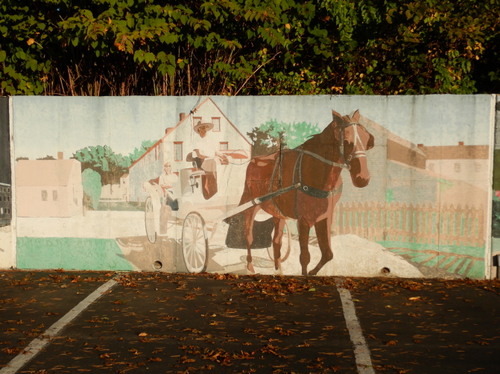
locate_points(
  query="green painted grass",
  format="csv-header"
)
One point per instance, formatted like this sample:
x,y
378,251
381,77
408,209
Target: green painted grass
x,y
70,254
461,260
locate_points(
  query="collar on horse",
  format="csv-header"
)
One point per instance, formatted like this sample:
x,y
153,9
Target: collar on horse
x,y
310,190
315,192
297,174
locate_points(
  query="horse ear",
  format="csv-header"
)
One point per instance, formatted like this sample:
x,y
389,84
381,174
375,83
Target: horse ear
x,y
336,114
355,115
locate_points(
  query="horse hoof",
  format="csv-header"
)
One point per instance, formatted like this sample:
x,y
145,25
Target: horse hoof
x,y
277,264
278,270
250,268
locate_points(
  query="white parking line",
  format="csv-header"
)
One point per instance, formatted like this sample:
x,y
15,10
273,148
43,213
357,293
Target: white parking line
x,y
44,339
361,350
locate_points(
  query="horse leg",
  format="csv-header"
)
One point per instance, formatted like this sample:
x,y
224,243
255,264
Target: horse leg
x,y
249,219
322,229
279,224
305,257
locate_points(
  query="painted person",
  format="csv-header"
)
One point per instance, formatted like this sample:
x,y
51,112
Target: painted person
x,y
205,156
168,181
205,151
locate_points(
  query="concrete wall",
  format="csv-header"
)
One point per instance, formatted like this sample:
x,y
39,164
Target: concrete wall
x,y
425,212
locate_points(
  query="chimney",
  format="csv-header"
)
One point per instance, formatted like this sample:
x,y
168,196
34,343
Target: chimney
x,y
460,143
60,155
420,145
182,116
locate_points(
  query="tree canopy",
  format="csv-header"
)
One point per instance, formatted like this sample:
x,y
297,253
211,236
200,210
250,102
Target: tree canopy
x,y
108,164
241,47
272,136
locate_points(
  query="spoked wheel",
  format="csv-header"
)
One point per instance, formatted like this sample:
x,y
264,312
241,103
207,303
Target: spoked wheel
x,y
194,243
286,244
149,219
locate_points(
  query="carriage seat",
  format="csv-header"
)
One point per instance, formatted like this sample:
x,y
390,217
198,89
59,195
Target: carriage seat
x,y
190,178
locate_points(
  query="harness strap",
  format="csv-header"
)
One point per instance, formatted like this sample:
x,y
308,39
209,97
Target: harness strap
x,y
309,190
321,194
322,159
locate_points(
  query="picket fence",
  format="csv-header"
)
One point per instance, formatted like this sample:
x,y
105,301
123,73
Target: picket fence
x,y
422,223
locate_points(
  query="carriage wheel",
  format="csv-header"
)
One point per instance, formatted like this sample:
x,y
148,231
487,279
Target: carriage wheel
x,y
149,220
286,244
194,243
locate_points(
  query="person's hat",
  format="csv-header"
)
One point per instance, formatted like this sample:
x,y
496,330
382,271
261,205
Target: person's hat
x,y
207,125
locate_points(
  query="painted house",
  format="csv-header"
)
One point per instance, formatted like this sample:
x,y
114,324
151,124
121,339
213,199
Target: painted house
x,y
467,163
409,173
409,200
395,165
49,188
178,141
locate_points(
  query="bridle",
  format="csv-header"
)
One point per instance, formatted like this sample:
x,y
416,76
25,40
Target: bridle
x,y
357,142
346,164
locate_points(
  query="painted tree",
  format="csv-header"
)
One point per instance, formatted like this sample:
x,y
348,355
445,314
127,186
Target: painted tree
x,y
139,151
110,165
92,188
272,136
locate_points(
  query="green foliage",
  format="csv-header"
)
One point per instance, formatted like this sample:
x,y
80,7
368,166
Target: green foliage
x,y
273,136
231,47
138,152
91,181
110,165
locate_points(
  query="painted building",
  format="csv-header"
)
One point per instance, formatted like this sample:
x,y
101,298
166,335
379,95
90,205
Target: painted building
x,y
180,140
466,163
49,188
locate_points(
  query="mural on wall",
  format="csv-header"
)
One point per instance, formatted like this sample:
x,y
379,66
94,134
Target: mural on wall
x,y
254,184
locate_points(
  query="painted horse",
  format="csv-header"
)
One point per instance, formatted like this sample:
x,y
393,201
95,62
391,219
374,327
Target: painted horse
x,y
305,184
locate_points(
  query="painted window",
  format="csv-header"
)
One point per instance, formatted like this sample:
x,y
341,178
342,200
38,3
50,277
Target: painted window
x,y
216,122
457,167
45,195
178,156
54,195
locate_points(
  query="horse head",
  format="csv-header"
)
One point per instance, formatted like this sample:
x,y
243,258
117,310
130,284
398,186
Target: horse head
x,y
354,140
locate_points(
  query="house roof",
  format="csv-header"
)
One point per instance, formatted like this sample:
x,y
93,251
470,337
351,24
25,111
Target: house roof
x,y
446,152
44,172
171,130
391,136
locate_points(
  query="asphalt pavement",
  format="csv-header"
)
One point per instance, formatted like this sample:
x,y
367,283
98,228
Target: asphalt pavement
x,y
77,322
